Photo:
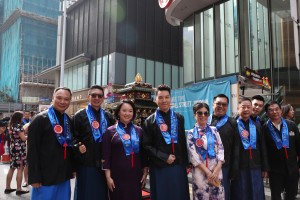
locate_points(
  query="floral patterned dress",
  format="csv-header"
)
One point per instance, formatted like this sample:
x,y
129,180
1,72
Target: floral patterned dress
x,y
201,188
17,147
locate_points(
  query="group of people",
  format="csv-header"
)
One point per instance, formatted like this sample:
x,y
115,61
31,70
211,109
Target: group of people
x,y
111,157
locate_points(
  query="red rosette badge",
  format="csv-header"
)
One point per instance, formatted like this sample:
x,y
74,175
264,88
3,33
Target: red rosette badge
x,y
163,127
199,142
245,134
95,124
126,137
58,129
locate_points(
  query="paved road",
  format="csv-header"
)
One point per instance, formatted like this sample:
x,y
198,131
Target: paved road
x,y
12,196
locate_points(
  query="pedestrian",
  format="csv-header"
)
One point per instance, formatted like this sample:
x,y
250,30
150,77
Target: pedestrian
x,y
257,106
248,185
283,147
50,164
90,125
227,128
206,153
288,111
165,144
124,160
17,152
26,118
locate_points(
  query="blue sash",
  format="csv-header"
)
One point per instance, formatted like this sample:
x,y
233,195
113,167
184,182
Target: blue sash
x,y
258,120
220,123
245,135
25,121
284,142
65,137
174,127
210,143
103,125
132,144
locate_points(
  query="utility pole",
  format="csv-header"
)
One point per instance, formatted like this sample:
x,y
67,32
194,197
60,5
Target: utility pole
x,y
63,44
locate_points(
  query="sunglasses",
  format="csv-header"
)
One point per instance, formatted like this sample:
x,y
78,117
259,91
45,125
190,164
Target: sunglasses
x,y
200,113
96,95
221,104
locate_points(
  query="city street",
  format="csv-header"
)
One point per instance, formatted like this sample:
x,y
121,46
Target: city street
x,y
12,196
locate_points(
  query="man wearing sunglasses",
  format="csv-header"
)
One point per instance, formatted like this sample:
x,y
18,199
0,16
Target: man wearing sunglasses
x,y
228,131
90,124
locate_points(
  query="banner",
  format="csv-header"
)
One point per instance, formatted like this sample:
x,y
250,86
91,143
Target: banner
x,y
183,99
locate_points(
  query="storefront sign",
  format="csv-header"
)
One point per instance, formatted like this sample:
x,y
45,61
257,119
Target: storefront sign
x,y
184,99
165,3
257,79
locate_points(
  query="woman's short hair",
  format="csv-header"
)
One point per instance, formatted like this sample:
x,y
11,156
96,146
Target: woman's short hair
x,y
118,108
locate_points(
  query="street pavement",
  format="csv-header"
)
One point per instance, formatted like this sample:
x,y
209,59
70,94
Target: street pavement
x,y
12,196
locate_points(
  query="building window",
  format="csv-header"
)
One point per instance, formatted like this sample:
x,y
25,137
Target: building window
x,y
98,71
188,50
105,70
175,75
226,33
85,76
158,73
167,74
141,67
130,69
93,73
150,72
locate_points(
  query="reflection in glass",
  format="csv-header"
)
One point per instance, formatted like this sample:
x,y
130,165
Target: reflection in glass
x,y
188,50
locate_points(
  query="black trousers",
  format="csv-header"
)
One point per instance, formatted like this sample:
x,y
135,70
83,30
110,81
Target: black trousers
x,y
280,182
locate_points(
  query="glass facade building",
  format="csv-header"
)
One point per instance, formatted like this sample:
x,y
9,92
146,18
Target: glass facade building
x,y
223,37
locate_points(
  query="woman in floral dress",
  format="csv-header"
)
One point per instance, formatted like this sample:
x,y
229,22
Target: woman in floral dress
x,y
206,153
17,152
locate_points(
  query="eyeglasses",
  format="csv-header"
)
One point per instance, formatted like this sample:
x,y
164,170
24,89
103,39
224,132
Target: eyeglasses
x,y
96,95
200,113
221,104
273,110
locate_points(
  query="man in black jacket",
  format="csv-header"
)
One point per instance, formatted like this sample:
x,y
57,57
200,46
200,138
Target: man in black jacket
x,y
228,131
49,155
283,147
165,143
90,124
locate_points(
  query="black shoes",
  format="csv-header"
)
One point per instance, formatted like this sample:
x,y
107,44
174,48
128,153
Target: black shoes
x,y
7,191
20,192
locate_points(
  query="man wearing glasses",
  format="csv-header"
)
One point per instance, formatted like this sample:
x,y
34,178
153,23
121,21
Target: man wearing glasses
x,y
228,131
90,124
283,147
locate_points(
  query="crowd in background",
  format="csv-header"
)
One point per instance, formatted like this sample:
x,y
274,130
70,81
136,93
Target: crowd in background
x,y
111,157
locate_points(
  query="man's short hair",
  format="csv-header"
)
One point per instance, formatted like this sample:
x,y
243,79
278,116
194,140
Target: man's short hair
x,y
242,99
62,88
269,104
163,88
258,97
220,96
96,87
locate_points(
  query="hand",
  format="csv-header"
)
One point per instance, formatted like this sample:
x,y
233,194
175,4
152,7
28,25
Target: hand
x,y
36,185
110,184
82,148
145,174
215,173
171,159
